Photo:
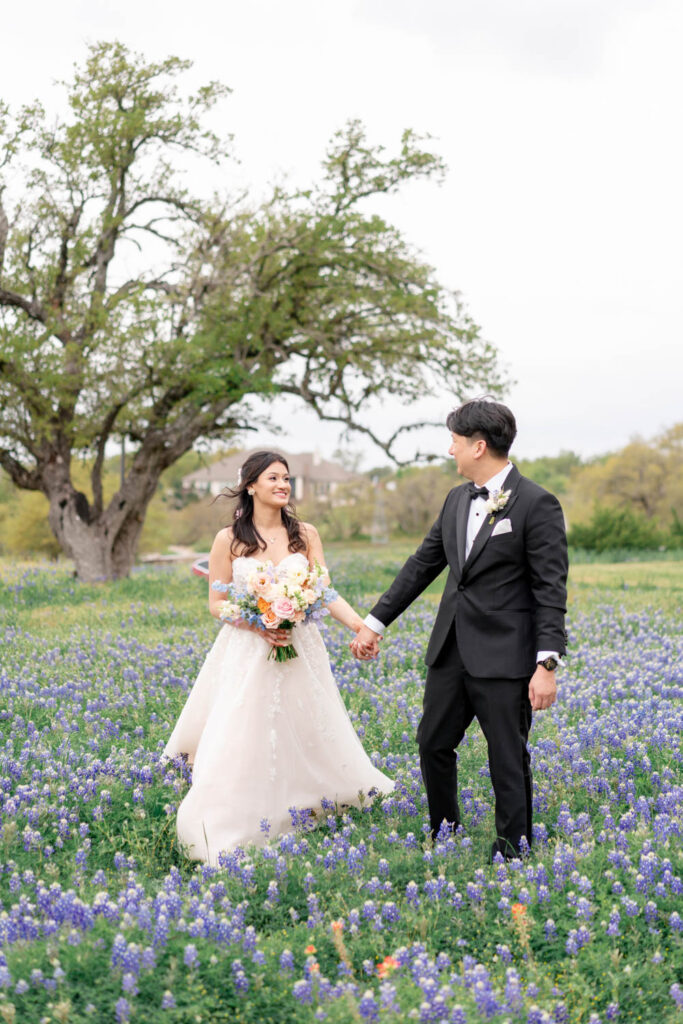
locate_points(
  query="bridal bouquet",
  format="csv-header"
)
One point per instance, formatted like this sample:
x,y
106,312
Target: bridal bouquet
x,y
275,597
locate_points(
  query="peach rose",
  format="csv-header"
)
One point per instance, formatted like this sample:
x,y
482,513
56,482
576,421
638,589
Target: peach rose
x,y
261,584
283,608
270,619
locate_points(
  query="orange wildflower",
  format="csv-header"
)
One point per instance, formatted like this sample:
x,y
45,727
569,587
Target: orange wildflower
x,y
337,926
388,965
310,949
518,911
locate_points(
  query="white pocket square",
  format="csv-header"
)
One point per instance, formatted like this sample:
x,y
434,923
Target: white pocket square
x,y
502,526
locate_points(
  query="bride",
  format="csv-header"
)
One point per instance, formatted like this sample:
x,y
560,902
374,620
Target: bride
x,y
263,736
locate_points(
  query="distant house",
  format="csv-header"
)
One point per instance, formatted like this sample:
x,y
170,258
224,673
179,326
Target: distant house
x,y
311,475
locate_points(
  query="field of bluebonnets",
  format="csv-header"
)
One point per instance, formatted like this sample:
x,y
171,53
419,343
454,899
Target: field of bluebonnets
x,y
359,918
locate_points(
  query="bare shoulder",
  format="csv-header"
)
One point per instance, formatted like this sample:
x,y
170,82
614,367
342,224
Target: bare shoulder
x,y
223,540
309,532
311,539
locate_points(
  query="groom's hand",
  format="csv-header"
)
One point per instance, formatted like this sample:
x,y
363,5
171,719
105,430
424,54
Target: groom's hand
x,y
365,644
542,689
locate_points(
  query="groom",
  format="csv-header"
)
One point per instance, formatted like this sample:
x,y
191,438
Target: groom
x,y
499,631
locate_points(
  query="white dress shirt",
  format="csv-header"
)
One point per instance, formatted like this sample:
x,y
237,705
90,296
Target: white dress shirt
x,y
478,511
475,521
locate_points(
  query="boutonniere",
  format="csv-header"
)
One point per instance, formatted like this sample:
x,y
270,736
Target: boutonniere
x,y
497,502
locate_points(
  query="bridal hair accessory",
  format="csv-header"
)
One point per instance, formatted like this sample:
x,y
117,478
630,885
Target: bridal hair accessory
x,y
497,503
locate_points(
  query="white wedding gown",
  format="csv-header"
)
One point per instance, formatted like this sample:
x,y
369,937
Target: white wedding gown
x,y
264,736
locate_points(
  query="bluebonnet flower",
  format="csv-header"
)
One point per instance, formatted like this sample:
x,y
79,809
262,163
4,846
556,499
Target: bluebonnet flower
x,y
129,984
239,977
676,993
367,1007
303,992
190,956
286,961
122,1010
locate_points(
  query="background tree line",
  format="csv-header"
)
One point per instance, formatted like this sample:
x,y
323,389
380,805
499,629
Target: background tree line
x,y
631,499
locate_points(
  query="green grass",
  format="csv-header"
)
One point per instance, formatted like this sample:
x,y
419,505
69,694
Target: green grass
x,y
633,585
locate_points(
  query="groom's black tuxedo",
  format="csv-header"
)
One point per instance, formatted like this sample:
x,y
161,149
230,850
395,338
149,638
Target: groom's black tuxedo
x,y
508,598
501,605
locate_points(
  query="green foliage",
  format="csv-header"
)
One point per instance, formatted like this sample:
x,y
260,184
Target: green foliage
x,y
24,528
346,515
418,497
644,476
615,528
676,529
552,472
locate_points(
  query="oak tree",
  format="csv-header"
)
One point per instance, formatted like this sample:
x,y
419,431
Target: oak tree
x,y
135,307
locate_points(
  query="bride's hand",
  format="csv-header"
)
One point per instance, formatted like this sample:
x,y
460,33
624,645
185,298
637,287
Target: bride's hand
x,y
277,637
365,644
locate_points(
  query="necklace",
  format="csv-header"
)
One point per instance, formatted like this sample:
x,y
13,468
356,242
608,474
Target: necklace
x,y
271,540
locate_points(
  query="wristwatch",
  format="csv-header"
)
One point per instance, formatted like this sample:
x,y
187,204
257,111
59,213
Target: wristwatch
x,y
550,664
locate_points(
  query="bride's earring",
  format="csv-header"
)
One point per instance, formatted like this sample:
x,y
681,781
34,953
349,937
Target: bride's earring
x,y
250,493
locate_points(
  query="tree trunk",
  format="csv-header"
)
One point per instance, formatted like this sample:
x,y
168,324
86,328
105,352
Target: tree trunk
x,y
103,547
98,552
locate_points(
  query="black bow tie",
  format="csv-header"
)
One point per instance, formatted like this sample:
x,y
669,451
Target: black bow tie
x,y
477,492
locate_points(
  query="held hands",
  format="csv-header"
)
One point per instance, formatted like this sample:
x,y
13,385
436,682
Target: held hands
x,y
365,644
542,689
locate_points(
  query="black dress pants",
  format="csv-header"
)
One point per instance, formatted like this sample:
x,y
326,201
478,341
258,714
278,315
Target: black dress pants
x,y
452,698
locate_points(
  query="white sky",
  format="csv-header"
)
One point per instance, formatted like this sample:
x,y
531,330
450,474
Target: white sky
x,y
561,217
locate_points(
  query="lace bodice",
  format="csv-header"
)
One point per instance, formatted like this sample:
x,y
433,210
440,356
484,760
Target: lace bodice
x,y
243,565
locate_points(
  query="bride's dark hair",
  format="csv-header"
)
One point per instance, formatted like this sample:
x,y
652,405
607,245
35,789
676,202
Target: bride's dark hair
x,y
245,537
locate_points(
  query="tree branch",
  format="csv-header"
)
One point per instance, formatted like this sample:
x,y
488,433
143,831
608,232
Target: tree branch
x,y
28,479
187,208
96,472
4,231
61,280
33,309
314,401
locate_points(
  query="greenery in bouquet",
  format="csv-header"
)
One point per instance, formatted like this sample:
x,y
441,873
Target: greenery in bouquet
x,y
278,597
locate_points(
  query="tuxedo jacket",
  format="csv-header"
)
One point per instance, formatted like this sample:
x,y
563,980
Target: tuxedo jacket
x,y
508,597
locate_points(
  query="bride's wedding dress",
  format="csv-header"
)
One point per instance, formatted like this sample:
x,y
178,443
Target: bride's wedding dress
x,y
264,737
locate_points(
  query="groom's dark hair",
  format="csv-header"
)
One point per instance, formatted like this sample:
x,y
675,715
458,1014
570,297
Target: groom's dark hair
x,y
486,419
